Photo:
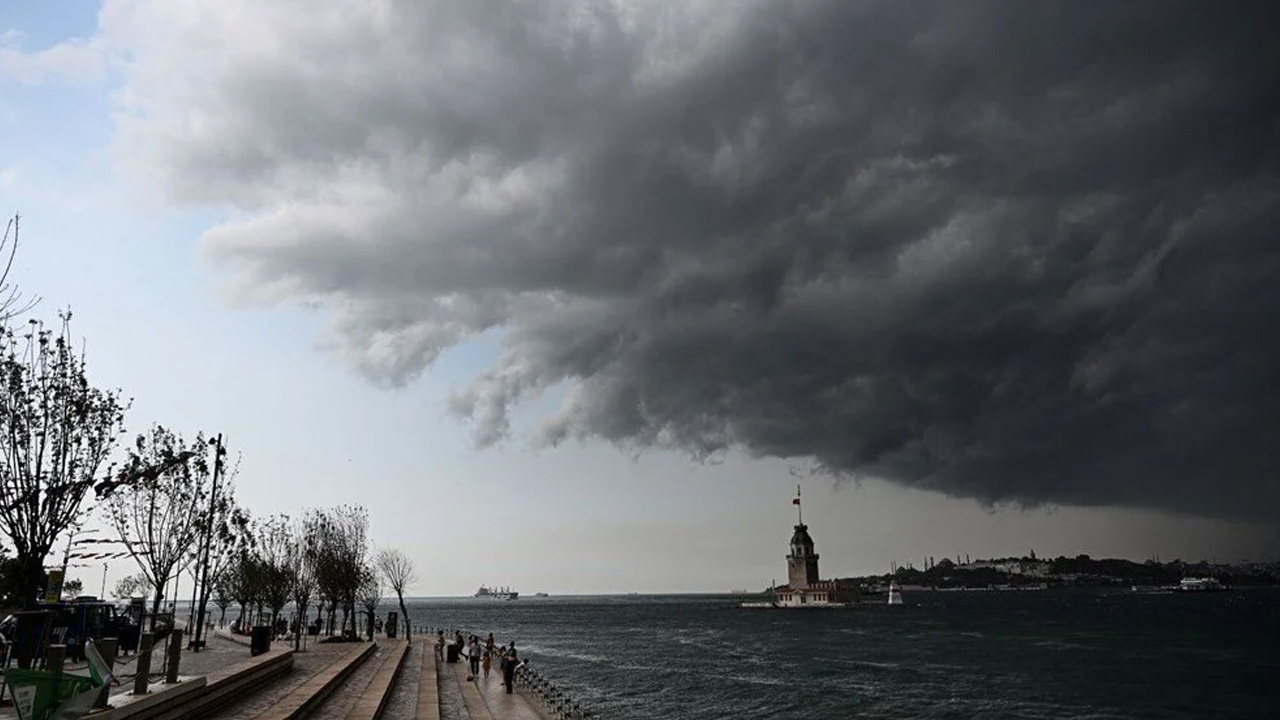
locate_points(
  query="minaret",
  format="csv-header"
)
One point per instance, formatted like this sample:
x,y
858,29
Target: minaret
x,y
802,562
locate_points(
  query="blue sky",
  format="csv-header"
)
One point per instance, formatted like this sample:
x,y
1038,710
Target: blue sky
x,y
160,324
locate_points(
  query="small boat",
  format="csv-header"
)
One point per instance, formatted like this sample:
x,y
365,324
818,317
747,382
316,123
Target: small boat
x,y
541,594
895,595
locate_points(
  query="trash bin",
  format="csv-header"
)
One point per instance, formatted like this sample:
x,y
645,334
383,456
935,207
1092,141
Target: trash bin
x,y
259,639
451,654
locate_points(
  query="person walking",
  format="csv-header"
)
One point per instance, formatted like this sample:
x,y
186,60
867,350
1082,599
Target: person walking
x,y
473,655
487,658
509,667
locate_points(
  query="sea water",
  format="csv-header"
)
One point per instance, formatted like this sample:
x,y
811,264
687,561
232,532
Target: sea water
x,y
1012,654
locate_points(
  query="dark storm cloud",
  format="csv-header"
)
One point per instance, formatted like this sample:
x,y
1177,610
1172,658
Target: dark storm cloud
x,y
1011,251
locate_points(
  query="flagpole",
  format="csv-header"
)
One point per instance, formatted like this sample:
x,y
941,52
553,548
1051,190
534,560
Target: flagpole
x,y
799,507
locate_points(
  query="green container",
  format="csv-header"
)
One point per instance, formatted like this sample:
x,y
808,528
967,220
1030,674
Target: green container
x,y
38,695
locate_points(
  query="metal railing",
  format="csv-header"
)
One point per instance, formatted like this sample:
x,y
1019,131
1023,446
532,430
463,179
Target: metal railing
x,y
554,700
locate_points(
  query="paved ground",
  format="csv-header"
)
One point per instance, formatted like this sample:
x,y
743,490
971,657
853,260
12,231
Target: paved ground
x,y
219,653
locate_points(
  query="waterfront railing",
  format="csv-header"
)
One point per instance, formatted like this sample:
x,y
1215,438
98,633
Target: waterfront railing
x,y
555,700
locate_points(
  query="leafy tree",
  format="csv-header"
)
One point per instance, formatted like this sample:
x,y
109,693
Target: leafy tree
x,y
221,596
338,540
273,557
241,581
398,572
304,578
369,595
56,431
226,530
160,517
11,587
132,586
71,589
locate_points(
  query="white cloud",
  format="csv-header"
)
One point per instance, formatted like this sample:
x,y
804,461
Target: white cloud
x,y
75,60
9,177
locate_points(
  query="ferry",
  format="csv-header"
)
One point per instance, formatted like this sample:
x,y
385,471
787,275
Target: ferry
x,y
1200,584
496,593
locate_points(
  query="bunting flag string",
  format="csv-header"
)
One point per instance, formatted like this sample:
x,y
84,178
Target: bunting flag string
x,y
99,556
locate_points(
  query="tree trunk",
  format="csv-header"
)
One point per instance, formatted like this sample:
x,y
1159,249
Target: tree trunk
x,y
155,605
275,620
32,581
404,615
302,627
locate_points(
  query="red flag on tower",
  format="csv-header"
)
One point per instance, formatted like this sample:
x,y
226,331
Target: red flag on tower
x,y
796,500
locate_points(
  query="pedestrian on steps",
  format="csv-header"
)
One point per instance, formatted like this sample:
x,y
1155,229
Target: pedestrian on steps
x,y
509,667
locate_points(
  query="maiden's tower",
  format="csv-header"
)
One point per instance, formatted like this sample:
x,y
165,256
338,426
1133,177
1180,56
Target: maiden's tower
x,y
804,587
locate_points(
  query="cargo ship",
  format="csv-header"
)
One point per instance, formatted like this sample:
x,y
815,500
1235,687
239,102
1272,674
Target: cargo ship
x,y
496,593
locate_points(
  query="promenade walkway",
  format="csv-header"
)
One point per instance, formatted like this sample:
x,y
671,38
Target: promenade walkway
x,y
418,692
388,684
487,699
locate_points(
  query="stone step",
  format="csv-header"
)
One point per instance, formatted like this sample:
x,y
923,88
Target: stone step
x,y
476,707
310,694
374,697
428,690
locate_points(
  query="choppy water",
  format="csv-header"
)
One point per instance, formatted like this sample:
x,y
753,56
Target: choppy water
x,y
1048,654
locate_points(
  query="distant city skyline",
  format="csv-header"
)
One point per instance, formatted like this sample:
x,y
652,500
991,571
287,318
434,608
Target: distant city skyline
x,y
505,279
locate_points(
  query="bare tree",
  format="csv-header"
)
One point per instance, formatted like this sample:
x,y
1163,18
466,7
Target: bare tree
x,y
369,596
56,431
159,518
398,572
11,302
